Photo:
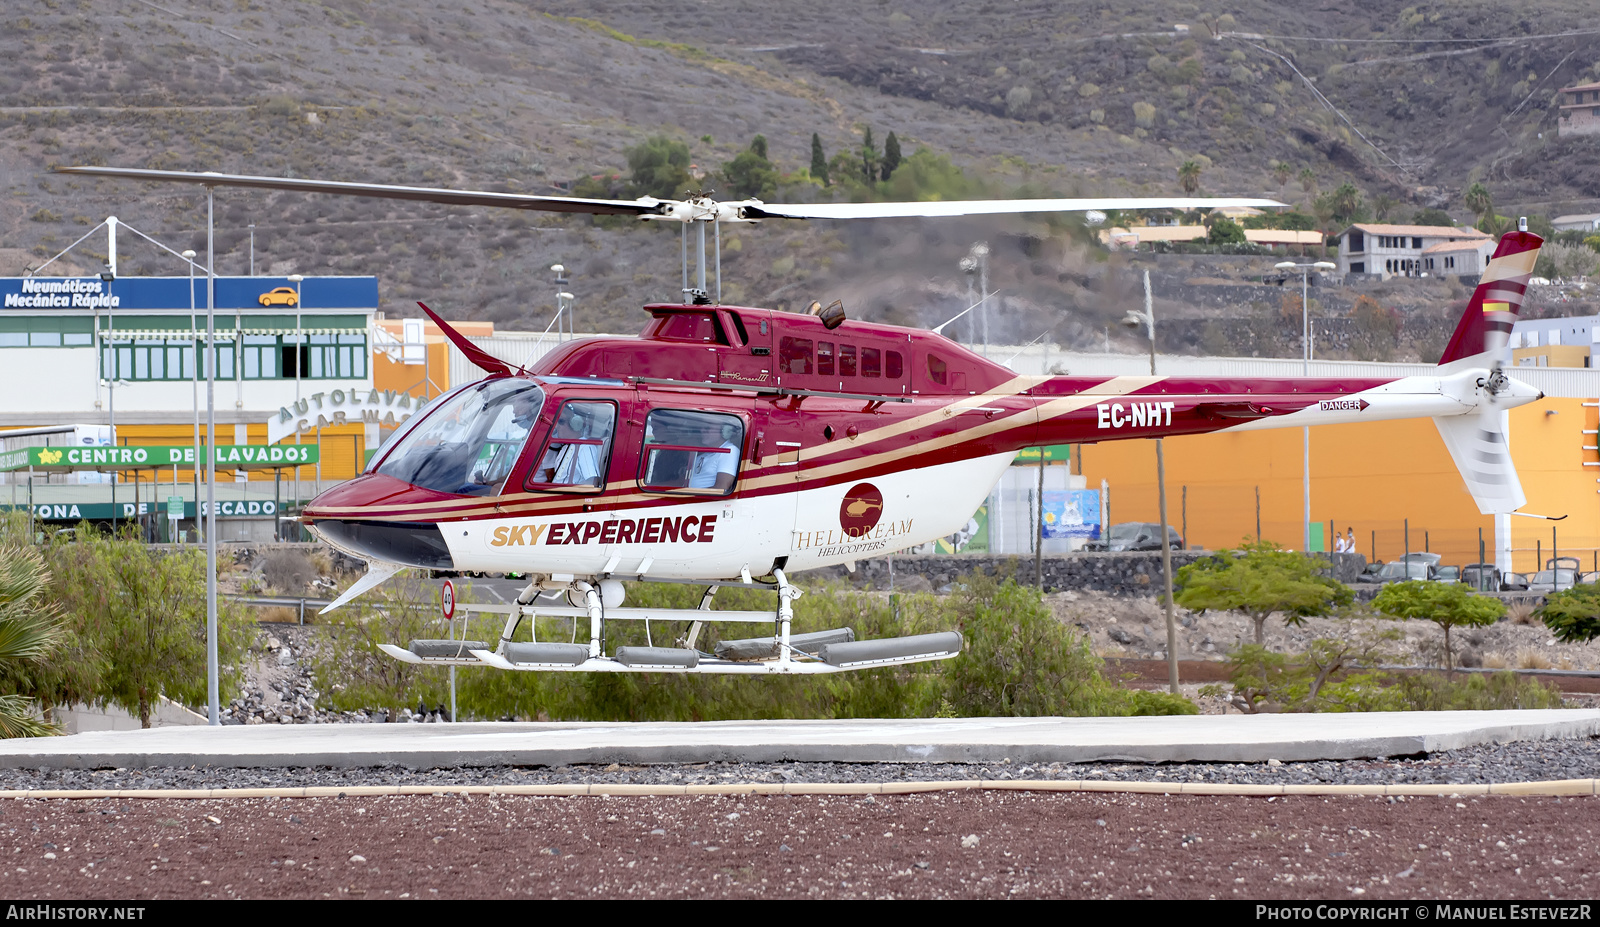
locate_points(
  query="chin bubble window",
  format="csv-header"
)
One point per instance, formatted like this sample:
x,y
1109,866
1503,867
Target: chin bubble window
x,y
691,452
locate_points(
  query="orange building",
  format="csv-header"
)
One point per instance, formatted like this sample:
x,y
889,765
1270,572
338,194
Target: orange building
x,y
1381,479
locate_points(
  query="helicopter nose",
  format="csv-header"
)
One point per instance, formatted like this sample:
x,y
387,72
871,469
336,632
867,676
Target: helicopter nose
x,y
377,517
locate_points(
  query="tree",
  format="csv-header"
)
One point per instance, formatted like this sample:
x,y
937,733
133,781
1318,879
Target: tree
x,y
1308,183
891,155
143,613
1225,231
1189,177
1382,205
1281,170
1344,204
869,158
1261,579
1447,605
1432,217
819,161
1572,615
660,167
30,629
750,173
1477,199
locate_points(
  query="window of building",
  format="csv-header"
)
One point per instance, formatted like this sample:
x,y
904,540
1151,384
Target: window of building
x,y
1358,241
579,451
1416,243
46,332
794,355
693,452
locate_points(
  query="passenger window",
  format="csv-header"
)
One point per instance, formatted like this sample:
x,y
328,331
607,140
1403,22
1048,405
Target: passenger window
x,y
937,370
825,358
794,355
693,452
579,448
871,362
893,366
847,360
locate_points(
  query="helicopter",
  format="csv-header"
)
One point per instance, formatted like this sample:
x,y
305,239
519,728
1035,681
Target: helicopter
x,y
732,446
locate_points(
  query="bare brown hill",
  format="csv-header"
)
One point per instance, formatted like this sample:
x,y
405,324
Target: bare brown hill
x,y
1089,98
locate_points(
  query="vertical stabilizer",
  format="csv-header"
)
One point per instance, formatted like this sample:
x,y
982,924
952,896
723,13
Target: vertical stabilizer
x,y
1486,326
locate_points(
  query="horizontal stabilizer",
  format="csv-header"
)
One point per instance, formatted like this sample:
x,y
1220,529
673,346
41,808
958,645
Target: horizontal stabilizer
x,y
1478,446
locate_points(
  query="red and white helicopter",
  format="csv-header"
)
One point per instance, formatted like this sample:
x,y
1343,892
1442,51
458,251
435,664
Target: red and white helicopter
x,y
729,445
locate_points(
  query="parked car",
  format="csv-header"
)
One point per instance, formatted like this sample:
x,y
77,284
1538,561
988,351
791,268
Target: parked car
x,y
1513,582
1136,535
1483,577
1448,574
1409,566
1552,580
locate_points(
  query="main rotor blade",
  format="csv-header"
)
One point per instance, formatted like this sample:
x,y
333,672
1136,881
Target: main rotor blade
x,y
645,206
937,209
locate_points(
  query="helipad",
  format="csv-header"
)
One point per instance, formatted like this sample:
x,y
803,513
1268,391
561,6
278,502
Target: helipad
x,y
1227,738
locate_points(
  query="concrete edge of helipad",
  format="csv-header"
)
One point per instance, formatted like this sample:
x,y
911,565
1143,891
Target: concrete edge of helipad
x,y
1548,788
1253,739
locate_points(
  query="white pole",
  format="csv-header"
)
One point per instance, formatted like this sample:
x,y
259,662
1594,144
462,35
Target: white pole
x,y
1305,370
213,710
194,392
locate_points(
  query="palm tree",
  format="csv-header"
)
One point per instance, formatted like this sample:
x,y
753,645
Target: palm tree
x,y
29,630
1308,183
1281,170
1382,205
1478,200
1189,176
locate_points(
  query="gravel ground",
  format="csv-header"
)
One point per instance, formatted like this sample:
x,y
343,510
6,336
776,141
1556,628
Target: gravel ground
x,y
987,844
1516,762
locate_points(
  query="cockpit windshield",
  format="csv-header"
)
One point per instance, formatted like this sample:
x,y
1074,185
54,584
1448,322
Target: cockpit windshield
x,y
469,442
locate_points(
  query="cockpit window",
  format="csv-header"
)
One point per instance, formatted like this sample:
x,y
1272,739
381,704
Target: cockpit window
x,y
469,442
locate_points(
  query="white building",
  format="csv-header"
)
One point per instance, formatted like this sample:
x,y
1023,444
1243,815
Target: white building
x,y
1578,222
1391,250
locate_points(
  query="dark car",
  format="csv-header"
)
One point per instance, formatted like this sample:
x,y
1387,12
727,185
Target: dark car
x,y
1409,566
1483,577
1136,535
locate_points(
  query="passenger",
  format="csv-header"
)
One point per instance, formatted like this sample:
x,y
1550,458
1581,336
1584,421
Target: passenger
x,y
716,469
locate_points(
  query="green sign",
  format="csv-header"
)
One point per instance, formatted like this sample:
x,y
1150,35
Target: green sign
x,y
175,507
1053,453
103,511
136,457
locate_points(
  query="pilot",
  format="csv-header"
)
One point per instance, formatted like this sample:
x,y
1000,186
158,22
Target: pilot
x,y
568,464
715,469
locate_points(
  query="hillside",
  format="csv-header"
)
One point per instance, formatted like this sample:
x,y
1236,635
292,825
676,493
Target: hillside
x,y
504,95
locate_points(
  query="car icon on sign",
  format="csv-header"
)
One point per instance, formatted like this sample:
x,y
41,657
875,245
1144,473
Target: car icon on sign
x,y
282,296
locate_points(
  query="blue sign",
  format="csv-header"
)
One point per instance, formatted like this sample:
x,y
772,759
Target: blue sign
x,y
276,293
1071,513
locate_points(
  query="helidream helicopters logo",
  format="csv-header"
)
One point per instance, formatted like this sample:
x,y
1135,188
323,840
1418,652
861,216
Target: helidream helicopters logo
x,y
861,526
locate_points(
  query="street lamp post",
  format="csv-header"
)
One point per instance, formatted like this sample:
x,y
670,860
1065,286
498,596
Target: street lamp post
x,y
194,393
1147,321
1305,370
213,710
564,299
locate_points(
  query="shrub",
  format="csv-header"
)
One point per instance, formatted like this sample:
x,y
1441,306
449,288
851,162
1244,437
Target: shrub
x,y
1572,615
1447,605
1144,115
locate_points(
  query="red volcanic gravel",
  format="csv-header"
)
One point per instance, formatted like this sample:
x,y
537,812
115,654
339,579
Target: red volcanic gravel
x,y
972,844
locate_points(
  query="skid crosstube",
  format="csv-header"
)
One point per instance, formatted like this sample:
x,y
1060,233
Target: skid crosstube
x,y
780,654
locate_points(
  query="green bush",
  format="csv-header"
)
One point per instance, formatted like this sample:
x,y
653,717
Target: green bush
x,y
1018,660
1572,615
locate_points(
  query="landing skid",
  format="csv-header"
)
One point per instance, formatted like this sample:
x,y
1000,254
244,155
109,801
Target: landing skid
x,y
781,654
